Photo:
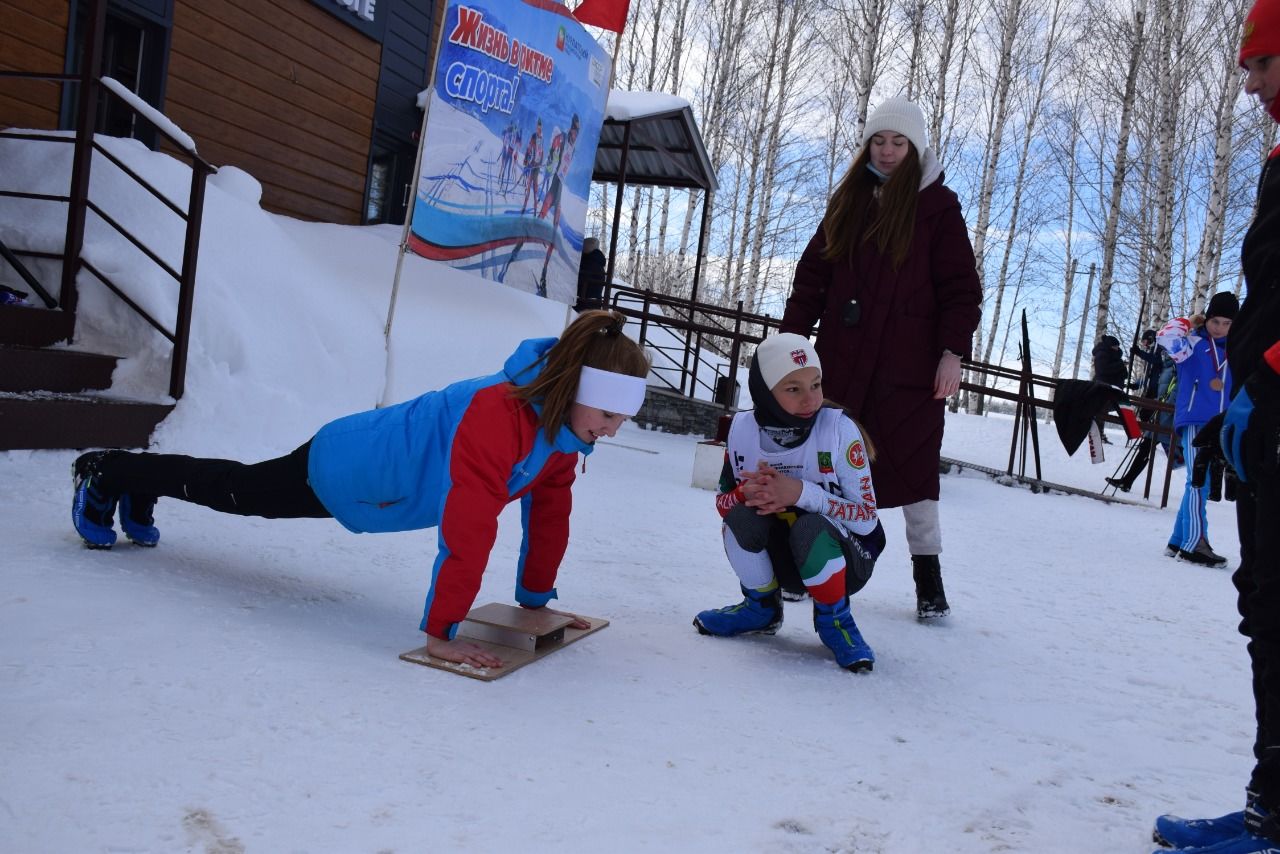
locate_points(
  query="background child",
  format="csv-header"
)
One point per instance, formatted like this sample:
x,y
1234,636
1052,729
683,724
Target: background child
x,y
1204,390
797,477
451,459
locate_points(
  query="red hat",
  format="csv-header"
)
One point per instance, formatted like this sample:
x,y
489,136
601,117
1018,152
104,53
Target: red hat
x,y
1261,31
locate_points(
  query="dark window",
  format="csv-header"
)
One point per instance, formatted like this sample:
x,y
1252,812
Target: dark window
x,y
134,48
388,195
376,209
124,45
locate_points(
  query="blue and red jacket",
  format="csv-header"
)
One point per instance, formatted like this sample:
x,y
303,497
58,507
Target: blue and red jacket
x,y
453,458
1197,400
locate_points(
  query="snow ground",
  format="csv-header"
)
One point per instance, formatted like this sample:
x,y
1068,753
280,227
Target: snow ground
x,y
238,687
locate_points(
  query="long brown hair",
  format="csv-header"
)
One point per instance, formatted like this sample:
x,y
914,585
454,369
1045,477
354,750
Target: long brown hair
x,y
854,216
595,339
866,437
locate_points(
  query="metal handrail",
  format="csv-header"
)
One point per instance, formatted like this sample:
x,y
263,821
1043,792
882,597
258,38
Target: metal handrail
x,y
31,281
742,332
982,376
79,203
1028,403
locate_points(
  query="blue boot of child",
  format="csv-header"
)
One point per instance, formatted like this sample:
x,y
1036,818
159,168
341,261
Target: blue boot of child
x,y
840,633
92,510
759,613
137,519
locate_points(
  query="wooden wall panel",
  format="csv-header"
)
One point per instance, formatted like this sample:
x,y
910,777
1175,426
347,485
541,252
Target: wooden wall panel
x,y
33,37
282,90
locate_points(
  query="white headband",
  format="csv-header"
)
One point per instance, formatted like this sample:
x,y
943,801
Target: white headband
x,y
621,394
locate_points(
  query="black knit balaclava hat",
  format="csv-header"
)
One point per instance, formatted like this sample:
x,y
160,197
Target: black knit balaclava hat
x,y
769,413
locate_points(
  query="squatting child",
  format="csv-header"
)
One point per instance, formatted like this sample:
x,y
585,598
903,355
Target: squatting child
x,y
798,504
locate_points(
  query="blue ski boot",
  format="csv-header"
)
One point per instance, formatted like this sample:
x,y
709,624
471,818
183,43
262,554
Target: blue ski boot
x,y
92,510
1258,834
759,613
137,519
840,633
1173,831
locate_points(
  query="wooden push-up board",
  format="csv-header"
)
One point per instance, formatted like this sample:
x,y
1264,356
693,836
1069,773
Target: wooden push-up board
x,y
516,635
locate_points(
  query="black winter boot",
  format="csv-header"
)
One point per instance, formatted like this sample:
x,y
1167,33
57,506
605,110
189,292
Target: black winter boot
x,y
931,600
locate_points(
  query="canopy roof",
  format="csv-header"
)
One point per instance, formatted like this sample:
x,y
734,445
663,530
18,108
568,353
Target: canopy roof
x,y
665,147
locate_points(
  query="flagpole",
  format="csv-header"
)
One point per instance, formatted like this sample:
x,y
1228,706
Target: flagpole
x,y
617,49
408,214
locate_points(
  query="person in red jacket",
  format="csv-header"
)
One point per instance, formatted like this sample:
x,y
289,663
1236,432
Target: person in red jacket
x,y
1248,436
891,281
451,459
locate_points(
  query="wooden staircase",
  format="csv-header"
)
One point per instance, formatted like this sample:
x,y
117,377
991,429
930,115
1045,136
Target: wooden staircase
x,y
48,397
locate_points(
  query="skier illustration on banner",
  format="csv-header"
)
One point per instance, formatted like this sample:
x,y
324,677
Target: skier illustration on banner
x,y
511,141
518,98
533,155
558,160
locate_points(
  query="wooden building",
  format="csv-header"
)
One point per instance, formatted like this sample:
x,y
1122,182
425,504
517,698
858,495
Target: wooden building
x,y
314,98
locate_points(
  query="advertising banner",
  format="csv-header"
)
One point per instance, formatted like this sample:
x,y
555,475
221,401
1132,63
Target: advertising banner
x,y
510,139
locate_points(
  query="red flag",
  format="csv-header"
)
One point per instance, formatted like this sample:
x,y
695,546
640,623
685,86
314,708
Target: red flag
x,y
605,14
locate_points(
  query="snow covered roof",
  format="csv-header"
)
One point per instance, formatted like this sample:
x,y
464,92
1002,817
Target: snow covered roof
x,y
623,106
664,148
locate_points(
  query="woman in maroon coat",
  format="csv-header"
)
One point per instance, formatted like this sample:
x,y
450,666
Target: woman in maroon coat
x,y
890,279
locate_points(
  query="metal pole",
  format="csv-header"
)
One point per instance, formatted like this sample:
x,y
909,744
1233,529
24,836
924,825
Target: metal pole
x,y
735,353
1031,391
82,158
1066,305
617,203
1017,424
1084,314
187,282
408,214
702,238
1137,336
644,317
408,218
693,295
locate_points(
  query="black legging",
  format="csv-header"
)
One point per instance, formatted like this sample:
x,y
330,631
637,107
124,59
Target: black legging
x,y
273,489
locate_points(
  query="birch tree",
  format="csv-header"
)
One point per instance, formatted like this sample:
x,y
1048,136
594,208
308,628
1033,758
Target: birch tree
x,y
1034,108
1010,19
1071,119
1137,45
1219,184
1170,29
857,36
794,21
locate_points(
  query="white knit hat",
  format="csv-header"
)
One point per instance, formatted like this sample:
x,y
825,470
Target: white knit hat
x,y
779,355
898,115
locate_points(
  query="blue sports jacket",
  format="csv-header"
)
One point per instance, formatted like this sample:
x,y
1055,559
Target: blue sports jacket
x,y
1197,400
452,459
